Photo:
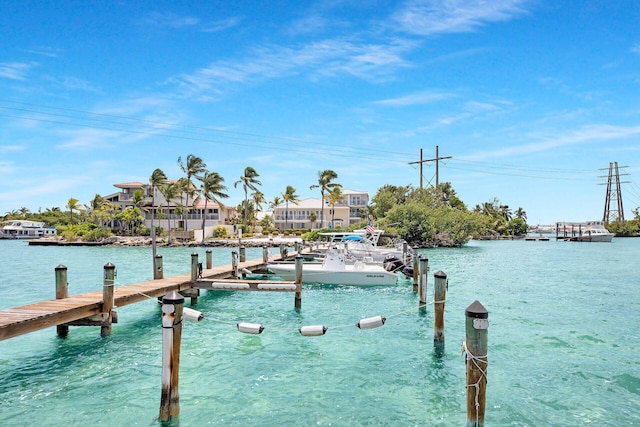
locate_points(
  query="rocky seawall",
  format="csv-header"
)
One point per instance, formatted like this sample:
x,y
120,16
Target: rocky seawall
x,y
252,242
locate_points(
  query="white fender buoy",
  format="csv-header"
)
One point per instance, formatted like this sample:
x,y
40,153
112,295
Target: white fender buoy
x,y
371,322
191,314
250,328
313,331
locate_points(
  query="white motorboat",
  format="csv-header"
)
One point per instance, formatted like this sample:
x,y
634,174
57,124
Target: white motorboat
x,y
595,232
334,270
361,245
23,229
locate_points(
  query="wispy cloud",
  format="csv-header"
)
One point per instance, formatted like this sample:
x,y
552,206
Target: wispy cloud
x,y
426,17
418,98
16,70
49,52
327,58
171,20
585,135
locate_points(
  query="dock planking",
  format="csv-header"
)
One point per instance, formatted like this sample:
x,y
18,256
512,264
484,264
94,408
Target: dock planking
x,y
33,317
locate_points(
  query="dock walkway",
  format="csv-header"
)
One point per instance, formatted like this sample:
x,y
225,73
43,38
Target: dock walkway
x,y
29,318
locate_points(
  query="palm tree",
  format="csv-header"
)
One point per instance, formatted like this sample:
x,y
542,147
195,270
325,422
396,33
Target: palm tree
x,y
157,178
520,213
193,166
324,184
170,191
289,195
335,195
249,182
258,200
277,201
71,205
212,189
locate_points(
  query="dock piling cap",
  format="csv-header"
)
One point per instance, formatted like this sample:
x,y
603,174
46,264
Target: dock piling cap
x,y
477,311
173,297
440,274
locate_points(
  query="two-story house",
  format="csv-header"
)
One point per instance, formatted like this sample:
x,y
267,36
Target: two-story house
x,y
350,209
174,213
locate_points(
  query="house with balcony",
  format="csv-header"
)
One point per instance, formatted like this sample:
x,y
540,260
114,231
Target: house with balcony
x,y
174,214
351,209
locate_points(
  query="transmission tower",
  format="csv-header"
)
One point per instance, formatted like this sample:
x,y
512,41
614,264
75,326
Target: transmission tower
x,y
613,195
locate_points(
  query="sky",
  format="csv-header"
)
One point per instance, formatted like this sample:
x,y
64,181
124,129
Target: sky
x,y
527,102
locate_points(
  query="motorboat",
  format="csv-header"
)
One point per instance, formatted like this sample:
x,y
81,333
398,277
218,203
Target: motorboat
x,y
334,270
24,229
595,232
363,245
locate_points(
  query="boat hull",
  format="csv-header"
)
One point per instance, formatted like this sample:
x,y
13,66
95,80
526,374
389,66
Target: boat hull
x,y
351,275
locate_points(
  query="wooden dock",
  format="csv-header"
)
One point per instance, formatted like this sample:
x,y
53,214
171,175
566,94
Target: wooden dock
x,y
88,308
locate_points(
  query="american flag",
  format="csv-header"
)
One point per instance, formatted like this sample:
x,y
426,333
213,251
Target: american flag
x,y
370,228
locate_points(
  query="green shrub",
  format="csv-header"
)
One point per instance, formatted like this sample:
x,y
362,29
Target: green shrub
x,y
220,231
97,234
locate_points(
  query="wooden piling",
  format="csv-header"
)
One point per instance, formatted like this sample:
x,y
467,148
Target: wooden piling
x,y
424,269
158,272
107,298
172,309
209,259
477,323
265,254
416,272
62,292
298,297
234,264
243,254
439,298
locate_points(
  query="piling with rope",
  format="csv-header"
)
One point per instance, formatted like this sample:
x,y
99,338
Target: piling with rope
x,y
62,292
475,349
172,313
416,272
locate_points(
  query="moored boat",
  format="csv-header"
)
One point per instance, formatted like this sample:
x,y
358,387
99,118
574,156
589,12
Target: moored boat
x,y
334,270
24,229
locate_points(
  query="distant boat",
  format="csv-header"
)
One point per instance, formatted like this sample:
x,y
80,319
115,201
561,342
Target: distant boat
x,y
593,231
23,229
334,270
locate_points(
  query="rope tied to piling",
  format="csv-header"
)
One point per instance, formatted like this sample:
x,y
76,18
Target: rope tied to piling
x,y
476,360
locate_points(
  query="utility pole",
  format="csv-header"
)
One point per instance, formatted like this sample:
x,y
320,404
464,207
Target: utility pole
x,y
435,159
614,194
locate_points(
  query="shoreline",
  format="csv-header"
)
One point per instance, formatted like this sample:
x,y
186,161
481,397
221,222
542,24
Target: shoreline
x,y
251,242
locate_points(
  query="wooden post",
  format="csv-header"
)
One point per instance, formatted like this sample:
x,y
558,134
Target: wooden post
x,y
283,251
157,267
477,323
416,272
172,308
298,297
195,273
439,297
243,254
209,258
234,264
62,292
265,254
107,298
424,269
405,252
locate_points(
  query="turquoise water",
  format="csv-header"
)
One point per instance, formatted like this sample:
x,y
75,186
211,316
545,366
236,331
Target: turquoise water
x,y
563,344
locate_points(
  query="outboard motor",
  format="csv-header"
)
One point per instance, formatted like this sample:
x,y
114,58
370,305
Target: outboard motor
x,y
392,263
408,271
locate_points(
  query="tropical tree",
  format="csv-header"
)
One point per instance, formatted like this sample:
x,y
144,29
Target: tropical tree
x,y
157,178
212,188
335,195
520,213
249,181
73,204
289,195
325,184
193,166
170,190
258,200
312,218
277,201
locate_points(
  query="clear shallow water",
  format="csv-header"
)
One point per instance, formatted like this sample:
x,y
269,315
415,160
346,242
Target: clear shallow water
x,y
563,344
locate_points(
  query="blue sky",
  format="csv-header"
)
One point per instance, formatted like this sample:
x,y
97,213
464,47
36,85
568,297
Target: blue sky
x,y
531,99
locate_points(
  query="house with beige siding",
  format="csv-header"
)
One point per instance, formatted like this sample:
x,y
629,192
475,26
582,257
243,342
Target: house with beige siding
x,y
350,209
